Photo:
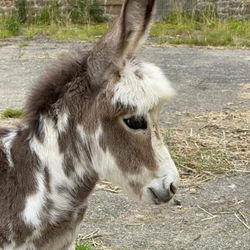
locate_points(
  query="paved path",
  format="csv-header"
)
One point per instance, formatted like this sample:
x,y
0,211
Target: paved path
x,y
128,225
206,80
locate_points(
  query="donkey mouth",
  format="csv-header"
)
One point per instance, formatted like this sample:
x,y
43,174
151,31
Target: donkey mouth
x,y
159,197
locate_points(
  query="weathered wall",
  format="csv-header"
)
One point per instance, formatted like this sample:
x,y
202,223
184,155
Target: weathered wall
x,y
6,6
112,7
239,9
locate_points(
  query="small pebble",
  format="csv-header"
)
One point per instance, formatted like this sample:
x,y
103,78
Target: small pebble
x,y
192,191
177,202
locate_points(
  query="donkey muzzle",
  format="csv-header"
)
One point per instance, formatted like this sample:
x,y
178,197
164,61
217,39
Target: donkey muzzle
x,y
162,193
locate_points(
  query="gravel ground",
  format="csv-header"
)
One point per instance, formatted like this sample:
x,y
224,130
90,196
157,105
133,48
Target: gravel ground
x,y
206,80
125,224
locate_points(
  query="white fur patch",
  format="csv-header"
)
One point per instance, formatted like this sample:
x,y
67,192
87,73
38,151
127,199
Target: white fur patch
x,y
62,122
34,203
7,144
49,154
106,166
142,86
104,163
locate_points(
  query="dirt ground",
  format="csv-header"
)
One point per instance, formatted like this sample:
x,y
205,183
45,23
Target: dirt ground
x,y
214,213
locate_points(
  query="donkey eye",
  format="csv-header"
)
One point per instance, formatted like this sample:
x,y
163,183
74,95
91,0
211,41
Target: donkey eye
x,y
136,122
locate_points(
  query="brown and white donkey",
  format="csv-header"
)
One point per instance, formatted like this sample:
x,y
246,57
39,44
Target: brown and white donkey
x,y
91,117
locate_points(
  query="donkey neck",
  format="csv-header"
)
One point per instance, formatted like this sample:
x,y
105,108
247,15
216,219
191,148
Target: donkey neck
x,y
65,156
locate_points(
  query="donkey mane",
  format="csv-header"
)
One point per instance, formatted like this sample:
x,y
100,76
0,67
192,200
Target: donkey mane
x,y
53,85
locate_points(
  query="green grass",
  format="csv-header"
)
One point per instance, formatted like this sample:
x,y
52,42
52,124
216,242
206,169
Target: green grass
x,y
9,26
13,113
83,247
206,32
175,29
84,32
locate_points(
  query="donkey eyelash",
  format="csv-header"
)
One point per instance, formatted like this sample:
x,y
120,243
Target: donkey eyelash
x,y
135,122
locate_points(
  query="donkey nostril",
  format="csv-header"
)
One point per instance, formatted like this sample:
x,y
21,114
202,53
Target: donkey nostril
x,y
173,189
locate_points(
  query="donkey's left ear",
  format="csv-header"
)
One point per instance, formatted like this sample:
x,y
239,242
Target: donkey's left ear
x,y
122,40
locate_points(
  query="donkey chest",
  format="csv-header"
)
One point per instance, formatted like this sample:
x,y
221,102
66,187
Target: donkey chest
x,y
61,235
56,236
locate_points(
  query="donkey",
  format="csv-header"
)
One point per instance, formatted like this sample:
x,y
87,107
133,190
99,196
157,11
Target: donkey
x,y
93,116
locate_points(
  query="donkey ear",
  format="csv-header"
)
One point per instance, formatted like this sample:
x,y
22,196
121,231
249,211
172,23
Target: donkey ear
x,y
121,41
135,19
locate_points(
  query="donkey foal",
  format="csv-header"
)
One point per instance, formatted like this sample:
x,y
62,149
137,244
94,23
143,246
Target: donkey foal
x,y
91,117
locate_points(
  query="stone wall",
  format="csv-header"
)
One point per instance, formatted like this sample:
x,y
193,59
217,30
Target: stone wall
x,y
6,6
239,9
111,7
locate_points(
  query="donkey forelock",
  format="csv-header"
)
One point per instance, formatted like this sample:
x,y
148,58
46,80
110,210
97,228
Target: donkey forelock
x,y
93,116
142,87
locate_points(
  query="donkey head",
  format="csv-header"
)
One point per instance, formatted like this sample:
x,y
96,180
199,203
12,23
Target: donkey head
x,y
129,150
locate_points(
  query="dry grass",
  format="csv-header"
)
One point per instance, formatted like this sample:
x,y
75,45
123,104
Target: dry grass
x,y
207,144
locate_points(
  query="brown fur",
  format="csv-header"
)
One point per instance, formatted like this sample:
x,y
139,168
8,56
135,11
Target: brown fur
x,y
48,96
133,158
15,185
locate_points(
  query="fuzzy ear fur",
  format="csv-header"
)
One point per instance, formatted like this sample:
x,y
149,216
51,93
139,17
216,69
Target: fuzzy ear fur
x,y
136,16
121,40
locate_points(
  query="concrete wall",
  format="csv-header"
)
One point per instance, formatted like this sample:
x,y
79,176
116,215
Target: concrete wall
x,y
239,9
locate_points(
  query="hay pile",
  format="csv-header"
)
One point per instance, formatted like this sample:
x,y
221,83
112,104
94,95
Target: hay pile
x,y
211,143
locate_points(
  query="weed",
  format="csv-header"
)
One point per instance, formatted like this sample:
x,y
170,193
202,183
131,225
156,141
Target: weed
x,y
21,9
12,25
70,32
78,13
21,45
180,28
96,12
80,246
13,113
84,11
43,16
